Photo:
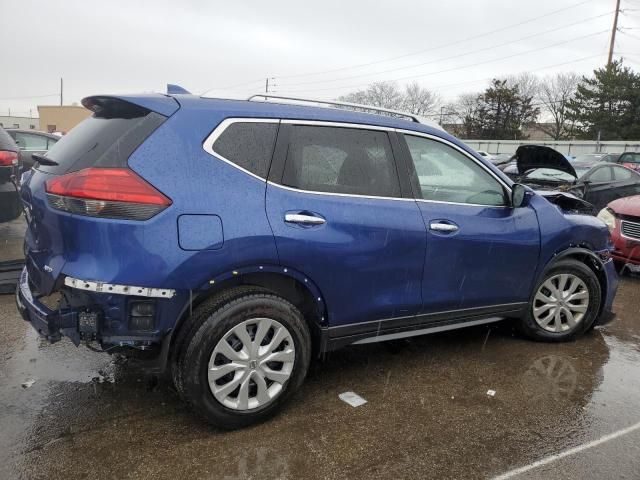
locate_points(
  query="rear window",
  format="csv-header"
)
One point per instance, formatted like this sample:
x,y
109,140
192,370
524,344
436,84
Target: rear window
x,y
249,145
630,158
103,140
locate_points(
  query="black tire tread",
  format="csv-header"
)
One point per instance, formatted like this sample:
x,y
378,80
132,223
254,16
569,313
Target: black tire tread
x,y
527,325
189,376
195,321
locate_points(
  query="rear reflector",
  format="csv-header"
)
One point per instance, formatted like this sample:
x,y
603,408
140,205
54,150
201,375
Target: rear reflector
x,y
8,159
106,192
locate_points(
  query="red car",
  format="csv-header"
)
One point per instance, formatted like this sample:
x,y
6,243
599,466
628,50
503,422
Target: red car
x,y
622,216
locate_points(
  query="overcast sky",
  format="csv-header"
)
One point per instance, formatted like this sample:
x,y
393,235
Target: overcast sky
x,y
134,46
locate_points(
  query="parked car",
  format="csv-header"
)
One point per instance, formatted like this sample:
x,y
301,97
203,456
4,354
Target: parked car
x,y
31,142
596,182
9,172
596,157
630,160
622,216
501,159
234,240
484,154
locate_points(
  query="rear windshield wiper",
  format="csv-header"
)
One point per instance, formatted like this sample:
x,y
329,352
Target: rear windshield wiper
x,y
42,160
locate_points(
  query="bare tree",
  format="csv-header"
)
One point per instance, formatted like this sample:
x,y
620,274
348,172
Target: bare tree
x,y
555,94
414,99
419,100
461,114
528,84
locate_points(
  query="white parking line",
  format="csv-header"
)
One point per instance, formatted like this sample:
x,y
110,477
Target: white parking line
x,y
566,453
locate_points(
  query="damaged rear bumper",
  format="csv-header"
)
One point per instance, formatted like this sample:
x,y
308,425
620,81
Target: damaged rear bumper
x,y
48,323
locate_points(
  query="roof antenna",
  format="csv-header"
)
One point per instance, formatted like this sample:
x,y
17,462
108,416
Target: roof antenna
x,y
176,90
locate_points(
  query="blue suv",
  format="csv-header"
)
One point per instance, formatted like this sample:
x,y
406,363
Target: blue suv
x,y
231,242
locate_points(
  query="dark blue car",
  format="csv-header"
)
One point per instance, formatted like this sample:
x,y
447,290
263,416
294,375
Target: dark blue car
x,y
233,241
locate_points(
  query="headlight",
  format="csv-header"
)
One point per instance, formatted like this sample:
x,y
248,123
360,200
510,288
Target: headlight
x,y
608,217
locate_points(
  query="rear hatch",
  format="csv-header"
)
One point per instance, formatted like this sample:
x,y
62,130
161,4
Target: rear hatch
x,y
86,174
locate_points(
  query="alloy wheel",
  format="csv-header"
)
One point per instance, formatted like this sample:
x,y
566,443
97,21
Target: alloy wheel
x,y
251,364
561,303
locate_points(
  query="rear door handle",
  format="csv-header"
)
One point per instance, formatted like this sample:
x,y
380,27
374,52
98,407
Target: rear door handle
x,y
443,227
304,219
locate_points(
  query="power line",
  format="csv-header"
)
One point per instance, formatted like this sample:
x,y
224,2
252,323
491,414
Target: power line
x,y
389,59
463,66
457,42
30,97
492,47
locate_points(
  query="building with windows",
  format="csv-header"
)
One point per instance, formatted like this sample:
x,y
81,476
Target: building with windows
x,y
25,123
61,118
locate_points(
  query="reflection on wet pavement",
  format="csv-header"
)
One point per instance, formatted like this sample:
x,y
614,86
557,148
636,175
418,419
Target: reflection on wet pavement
x,y
11,239
428,413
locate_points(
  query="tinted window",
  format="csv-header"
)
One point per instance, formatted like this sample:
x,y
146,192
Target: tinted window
x,y
600,175
446,175
620,173
629,157
341,160
249,145
28,141
102,141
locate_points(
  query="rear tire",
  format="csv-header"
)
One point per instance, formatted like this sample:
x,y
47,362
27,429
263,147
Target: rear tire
x,y
245,360
564,305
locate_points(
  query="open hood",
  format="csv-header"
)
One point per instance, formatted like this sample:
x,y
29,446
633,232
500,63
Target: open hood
x,y
530,157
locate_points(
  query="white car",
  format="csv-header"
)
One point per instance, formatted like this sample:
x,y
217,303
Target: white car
x,y
484,154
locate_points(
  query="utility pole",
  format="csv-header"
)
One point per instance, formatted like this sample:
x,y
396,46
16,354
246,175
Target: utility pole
x,y
613,33
61,89
441,113
268,83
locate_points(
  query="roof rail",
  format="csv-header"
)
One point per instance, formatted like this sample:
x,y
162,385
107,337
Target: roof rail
x,y
334,103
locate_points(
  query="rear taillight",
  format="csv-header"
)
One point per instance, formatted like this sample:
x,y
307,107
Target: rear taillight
x,y
8,159
106,193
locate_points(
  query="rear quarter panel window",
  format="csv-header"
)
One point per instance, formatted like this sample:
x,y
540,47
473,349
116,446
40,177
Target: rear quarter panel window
x,y
248,145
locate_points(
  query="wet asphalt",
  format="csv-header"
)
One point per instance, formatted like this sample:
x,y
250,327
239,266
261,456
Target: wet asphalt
x,y
90,415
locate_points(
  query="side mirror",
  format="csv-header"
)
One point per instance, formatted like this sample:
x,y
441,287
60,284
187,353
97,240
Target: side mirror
x,y
518,195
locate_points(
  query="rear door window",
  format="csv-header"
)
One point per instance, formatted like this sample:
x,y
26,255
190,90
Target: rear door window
x,y
103,140
248,145
341,160
28,141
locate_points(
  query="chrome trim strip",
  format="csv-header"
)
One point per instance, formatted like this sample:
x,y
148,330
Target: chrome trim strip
x,y
219,130
636,225
431,314
324,123
415,333
313,192
102,287
213,136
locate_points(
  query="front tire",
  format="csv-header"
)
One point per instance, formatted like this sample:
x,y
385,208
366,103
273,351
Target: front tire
x,y
564,305
245,360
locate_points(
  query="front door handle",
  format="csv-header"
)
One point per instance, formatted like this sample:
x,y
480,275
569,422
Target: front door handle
x,y
443,227
304,219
